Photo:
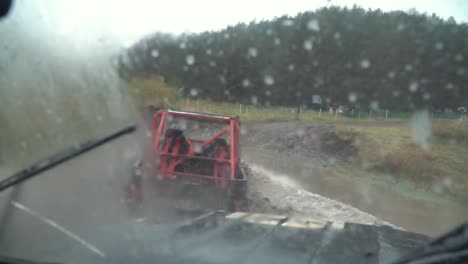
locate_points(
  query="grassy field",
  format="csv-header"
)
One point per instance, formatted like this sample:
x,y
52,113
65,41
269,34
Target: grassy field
x,y
389,154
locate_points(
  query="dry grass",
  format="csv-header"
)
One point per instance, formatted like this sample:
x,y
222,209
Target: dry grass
x,y
391,150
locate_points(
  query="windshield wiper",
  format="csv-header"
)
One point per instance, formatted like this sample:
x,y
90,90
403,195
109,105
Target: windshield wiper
x,y
61,157
451,247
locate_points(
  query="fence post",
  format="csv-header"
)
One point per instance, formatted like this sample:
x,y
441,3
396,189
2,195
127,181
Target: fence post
x,y
320,112
300,111
386,114
370,113
240,109
336,114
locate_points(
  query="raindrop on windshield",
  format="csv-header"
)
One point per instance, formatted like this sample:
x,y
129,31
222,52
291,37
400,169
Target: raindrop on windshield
x,y
337,35
426,96
277,41
396,93
208,52
291,67
461,71
245,82
182,45
252,52
268,79
439,46
212,64
254,100
391,75
269,32
449,86
400,27
313,25
193,92
268,93
408,67
307,45
155,53
459,57
413,87
190,59
288,23
365,64
374,105
352,97
226,35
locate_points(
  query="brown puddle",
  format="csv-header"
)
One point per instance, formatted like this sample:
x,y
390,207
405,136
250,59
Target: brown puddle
x,y
382,201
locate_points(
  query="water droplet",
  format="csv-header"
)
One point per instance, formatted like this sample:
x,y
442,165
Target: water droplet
x,y
447,181
413,87
288,23
99,118
337,35
400,27
208,52
155,53
24,144
459,57
291,67
190,59
277,41
391,75
268,93
185,68
439,46
313,25
182,45
254,100
268,79
307,45
245,82
396,93
222,79
408,67
461,71
374,105
449,86
352,97
226,35
426,96
269,32
421,129
148,133
365,64
58,120
252,52
193,92
49,112
212,64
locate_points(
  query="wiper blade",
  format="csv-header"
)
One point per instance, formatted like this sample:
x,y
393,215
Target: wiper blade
x,y
451,247
61,157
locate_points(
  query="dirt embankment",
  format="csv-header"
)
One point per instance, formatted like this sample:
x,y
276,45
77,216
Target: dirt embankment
x,y
311,140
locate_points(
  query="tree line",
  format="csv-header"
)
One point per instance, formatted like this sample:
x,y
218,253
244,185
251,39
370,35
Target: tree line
x,y
345,56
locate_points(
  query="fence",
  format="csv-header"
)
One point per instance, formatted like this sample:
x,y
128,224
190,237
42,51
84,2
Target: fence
x,y
265,113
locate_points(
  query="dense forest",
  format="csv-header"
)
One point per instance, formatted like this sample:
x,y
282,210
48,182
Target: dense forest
x,y
348,56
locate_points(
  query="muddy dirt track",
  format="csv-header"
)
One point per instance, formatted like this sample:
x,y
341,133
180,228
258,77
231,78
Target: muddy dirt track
x,y
86,194
299,152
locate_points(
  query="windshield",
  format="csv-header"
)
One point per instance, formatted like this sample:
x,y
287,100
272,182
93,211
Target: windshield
x,y
339,115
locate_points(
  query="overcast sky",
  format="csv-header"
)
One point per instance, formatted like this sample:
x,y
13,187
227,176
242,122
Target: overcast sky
x,y
130,20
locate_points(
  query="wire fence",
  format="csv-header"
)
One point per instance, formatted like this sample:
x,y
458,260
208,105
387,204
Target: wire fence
x,y
277,113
